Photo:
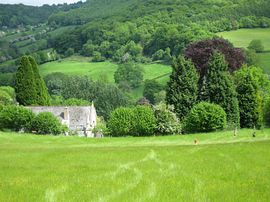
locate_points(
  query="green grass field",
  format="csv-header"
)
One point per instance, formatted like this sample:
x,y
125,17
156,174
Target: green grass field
x,y
77,65
82,66
220,168
242,38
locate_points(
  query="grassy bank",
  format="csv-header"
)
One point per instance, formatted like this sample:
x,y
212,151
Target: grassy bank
x,y
221,168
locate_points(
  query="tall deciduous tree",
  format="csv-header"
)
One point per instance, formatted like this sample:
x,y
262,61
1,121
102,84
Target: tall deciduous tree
x,y
218,88
130,73
182,89
25,84
200,53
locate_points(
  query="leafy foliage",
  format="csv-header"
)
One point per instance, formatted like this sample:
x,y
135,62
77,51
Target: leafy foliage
x,y
144,121
205,117
25,83
121,122
256,45
7,95
19,14
136,121
252,86
182,88
16,118
47,123
218,87
200,53
151,87
43,97
55,82
129,73
29,86
107,97
167,121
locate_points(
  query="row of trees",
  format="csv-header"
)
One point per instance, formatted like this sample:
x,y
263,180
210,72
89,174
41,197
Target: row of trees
x,y
240,95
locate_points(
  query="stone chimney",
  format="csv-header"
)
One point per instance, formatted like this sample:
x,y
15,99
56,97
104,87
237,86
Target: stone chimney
x,y
66,117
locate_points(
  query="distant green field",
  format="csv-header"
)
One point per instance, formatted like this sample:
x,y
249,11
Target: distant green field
x,y
82,66
169,168
242,38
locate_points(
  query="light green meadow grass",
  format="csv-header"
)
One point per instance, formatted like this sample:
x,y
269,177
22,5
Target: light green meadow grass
x,y
242,37
221,168
95,70
77,65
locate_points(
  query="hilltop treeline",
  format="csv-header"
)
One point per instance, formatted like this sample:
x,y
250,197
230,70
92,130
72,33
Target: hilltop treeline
x,y
141,28
131,30
12,16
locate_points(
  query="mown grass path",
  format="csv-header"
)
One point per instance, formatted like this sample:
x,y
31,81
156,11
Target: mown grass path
x,y
221,168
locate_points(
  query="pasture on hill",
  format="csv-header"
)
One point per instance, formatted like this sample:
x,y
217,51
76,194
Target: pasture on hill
x,y
81,66
242,37
77,65
169,168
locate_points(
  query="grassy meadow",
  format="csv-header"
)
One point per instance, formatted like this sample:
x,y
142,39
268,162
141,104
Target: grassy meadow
x,y
77,65
55,168
81,66
242,38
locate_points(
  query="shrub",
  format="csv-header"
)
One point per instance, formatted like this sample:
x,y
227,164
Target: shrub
x,y
101,127
256,45
69,52
16,118
120,122
97,57
158,55
5,98
167,121
205,117
137,121
47,123
144,121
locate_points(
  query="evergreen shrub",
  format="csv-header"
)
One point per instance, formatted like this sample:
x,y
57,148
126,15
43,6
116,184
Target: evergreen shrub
x,y
205,117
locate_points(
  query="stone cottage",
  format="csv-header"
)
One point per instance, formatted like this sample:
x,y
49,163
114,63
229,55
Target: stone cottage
x,y
81,120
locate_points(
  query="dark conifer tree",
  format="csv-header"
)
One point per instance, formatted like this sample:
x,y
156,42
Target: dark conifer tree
x,y
182,89
25,84
218,87
250,99
43,97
